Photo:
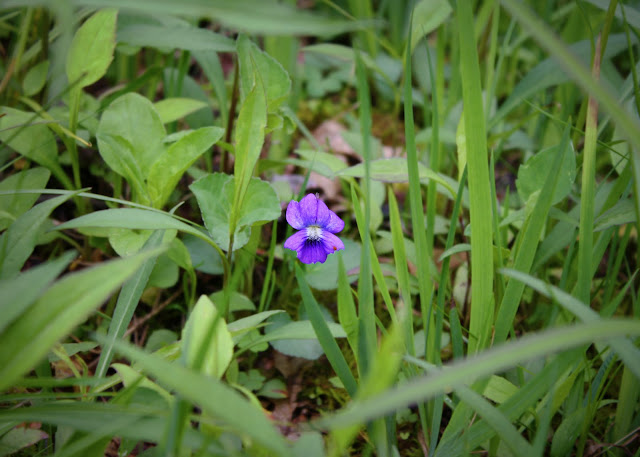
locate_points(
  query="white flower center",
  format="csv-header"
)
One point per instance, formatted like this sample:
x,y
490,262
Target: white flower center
x,y
314,233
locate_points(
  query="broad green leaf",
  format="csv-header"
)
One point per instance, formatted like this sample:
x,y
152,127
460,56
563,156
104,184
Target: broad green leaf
x,y
24,133
237,301
18,438
215,398
215,199
427,16
61,308
13,206
395,170
92,49
35,78
171,37
532,175
172,109
127,242
255,63
119,154
204,257
198,332
134,119
167,170
16,294
305,348
18,242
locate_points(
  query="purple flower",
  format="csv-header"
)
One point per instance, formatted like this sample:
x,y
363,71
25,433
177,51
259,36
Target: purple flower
x,y
316,224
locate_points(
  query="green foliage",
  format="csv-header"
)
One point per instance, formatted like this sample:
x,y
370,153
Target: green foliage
x,y
260,205
483,157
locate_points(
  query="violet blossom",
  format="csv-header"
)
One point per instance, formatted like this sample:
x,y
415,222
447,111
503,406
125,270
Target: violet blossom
x,y
316,224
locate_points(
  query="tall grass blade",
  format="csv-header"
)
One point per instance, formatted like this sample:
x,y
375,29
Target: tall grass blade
x,y
482,305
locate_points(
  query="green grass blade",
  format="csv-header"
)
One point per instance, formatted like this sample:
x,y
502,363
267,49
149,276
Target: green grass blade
x,y
214,397
490,361
527,248
126,305
347,314
61,308
587,195
328,343
482,304
492,415
402,270
625,348
365,284
423,253
374,262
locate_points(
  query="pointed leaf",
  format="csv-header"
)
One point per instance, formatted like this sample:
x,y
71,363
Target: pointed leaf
x,y
92,49
169,168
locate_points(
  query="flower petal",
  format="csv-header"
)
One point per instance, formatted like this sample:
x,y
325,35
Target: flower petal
x,y
294,218
296,241
323,214
312,253
309,209
335,224
331,243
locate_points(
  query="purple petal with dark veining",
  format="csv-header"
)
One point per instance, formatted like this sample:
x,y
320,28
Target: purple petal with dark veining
x,y
309,209
312,253
323,214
